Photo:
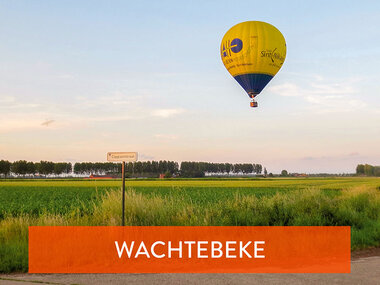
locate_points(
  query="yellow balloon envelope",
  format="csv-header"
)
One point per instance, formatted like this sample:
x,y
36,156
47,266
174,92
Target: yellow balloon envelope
x,y
253,52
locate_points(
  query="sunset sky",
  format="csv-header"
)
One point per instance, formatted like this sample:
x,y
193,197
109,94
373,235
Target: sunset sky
x,y
147,76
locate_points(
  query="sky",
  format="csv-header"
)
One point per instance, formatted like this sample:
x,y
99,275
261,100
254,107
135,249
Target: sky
x,y
81,78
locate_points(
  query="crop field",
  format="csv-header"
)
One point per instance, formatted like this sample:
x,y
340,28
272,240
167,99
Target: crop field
x,y
351,201
64,196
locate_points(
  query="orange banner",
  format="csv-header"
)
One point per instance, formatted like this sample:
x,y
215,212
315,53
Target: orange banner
x,y
189,249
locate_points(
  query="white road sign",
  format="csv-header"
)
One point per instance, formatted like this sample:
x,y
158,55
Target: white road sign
x,y
122,156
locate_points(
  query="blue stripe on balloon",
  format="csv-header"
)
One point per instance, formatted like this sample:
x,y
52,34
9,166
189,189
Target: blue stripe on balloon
x,y
253,83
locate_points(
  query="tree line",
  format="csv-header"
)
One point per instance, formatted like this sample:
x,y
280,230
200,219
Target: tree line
x,y
198,169
23,167
368,170
148,168
139,168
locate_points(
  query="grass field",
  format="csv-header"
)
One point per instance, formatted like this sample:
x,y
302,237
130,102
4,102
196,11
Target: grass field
x,y
307,201
36,197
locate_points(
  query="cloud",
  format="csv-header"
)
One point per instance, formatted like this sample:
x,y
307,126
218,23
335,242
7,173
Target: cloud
x,y
31,120
329,104
286,89
114,100
312,88
10,102
324,96
166,113
348,156
6,99
106,118
65,76
19,124
332,88
120,106
166,136
83,110
135,115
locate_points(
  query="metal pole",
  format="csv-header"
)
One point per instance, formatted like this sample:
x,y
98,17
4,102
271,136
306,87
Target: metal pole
x,y
123,189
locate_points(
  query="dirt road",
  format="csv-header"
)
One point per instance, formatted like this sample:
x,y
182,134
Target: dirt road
x,y
365,270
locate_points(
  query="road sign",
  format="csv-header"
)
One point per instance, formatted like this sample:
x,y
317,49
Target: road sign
x,y
122,156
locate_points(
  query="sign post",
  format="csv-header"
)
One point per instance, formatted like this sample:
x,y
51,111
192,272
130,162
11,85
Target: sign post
x,y
123,191
123,157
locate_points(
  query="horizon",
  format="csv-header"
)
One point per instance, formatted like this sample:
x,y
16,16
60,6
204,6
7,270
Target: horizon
x,y
79,80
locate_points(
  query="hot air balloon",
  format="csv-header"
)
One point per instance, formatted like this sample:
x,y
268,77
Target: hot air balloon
x,y
253,52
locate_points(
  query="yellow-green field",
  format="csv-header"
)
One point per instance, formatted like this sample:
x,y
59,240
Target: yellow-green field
x,y
63,196
336,183
229,202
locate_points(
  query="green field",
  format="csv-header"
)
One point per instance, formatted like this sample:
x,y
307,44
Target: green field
x,y
64,196
229,202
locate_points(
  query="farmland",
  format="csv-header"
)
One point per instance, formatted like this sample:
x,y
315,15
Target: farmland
x,y
230,202
64,196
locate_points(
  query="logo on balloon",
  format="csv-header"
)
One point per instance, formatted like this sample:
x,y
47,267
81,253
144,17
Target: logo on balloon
x,y
234,46
273,55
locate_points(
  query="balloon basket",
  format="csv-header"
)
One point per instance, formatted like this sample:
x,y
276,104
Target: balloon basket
x,y
253,104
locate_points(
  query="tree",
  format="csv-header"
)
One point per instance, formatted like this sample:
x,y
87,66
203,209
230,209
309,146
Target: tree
x,y
247,168
20,167
78,168
194,169
138,167
69,168
176,167
31,168
147,166
45,167
5,167
284,173
376,171
59,168
360,169
155,168
369,170
237,167
265,171
168,174
228,167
